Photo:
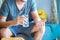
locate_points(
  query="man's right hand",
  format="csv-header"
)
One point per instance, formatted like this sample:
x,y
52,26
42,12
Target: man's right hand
x,y
21,20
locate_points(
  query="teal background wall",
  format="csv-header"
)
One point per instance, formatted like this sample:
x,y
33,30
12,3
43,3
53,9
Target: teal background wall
x,y
58,3
0,2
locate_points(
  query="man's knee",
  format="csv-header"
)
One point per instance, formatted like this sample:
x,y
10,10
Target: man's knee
x,y
42,30
5,32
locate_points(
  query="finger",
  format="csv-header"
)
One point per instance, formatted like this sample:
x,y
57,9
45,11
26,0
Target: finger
x,y
24,23
43,20
40,24
23,17
25,20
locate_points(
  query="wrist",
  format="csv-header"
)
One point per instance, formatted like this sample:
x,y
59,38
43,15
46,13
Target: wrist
x,y
14,22
37,20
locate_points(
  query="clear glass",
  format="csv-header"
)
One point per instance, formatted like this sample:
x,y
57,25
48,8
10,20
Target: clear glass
x,y
27,23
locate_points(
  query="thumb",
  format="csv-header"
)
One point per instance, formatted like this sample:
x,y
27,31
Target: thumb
x,y
44,20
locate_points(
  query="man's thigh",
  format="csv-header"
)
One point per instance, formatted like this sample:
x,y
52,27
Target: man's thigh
x,y
5,32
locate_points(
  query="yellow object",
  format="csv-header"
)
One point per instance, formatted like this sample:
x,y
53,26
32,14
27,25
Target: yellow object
x,y
15,38
42,14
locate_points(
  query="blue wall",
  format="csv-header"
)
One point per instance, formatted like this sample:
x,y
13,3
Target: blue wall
x,y
59,9
46,5
0,3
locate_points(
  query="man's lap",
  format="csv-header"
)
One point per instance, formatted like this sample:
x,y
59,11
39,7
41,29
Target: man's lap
x,y
22,30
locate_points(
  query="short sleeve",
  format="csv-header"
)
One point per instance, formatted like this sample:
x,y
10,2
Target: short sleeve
x,y
4,9
33,5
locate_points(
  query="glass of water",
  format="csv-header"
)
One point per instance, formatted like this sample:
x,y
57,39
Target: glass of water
x,y
26,24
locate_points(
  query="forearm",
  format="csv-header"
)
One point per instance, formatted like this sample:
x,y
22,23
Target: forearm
x,y
7,24
35,16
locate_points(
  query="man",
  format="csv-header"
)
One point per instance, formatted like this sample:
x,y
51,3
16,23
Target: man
x,y
14,14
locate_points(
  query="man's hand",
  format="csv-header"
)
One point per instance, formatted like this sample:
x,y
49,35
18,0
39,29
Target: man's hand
x,y
40,24
21,20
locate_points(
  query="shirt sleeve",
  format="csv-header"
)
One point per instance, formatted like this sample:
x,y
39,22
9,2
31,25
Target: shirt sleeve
x,y
4,9
33,5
